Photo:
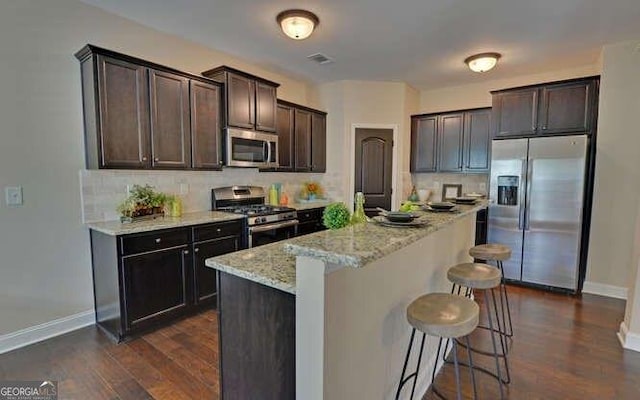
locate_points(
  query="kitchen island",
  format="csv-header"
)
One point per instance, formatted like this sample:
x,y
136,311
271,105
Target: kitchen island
x,y
322,316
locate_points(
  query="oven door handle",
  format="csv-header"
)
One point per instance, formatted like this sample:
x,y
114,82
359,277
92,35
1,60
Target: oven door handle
x,y
269,227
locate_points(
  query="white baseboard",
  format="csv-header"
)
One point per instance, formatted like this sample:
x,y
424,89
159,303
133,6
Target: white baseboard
x,y
629,340
601,289
34,334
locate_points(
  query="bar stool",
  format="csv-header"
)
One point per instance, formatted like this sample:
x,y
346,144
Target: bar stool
x,y
476,276
497,253
446,316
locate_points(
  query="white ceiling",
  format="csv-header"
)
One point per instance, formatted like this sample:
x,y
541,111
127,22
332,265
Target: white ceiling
x,y
422,42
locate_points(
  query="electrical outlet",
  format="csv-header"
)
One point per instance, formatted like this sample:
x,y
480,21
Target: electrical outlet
x,y
483,187
129,189
13,195
184,188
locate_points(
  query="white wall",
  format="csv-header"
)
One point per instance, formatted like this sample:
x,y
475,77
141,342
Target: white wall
x,y
478,94
365,102
617,184
45,268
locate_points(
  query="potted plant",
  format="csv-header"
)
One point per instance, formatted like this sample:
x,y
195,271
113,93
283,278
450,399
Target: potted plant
x,y
142,201
311,191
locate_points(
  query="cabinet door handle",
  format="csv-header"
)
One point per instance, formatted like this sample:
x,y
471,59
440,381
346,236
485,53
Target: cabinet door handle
x,y
144,158
156,159
196,250
219,230
158,240
186,252
544,127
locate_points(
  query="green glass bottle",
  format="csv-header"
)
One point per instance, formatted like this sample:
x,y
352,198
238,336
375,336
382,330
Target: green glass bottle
x,y
358,214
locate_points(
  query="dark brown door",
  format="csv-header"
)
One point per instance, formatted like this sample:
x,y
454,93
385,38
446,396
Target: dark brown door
x,y
565,108
265,107
302,140
515,113
241,104
477,141
286,144
124,114
318,142
155,285
424,132
374,158
170,120
450,142
205,277
205,126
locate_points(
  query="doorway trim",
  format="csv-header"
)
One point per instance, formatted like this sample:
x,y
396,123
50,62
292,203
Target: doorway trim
x,y
352,161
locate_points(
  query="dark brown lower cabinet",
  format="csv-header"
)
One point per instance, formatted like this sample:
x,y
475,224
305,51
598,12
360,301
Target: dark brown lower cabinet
x,y
146,279
257,340
205,277
155,285
310,221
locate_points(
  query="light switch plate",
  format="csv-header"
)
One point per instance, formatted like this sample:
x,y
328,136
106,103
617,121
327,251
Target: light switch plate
x,y
13,195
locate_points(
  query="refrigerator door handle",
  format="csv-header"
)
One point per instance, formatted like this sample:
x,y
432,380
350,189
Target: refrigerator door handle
x,y
527,206
522,198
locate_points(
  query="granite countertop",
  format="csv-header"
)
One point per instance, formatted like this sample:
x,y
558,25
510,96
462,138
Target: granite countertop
x,y
354,246
310,205
195,218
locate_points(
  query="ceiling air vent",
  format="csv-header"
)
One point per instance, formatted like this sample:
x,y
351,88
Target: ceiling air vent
x,y
320,58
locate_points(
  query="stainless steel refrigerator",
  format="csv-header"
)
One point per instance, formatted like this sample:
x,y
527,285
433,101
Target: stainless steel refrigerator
x,y
537,189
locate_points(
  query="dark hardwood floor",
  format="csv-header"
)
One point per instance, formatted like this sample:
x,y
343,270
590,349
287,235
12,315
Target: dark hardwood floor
x,y
564,348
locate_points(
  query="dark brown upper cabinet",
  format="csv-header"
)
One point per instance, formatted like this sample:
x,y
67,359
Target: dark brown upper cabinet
x,y
116,114
206,148
515,113
318,142
477,141
265,107
141,115
286,141
565,107
302,138
424,140
251,101
241,101
170,120
451,142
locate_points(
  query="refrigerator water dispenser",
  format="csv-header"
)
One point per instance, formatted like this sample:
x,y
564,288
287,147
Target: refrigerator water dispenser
x,y
508,190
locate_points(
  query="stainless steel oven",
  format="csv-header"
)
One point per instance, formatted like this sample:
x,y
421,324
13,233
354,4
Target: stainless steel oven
x,y
251,149
273,232
263,223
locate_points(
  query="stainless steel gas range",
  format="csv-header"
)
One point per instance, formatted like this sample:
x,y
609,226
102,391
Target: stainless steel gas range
x,y
263,223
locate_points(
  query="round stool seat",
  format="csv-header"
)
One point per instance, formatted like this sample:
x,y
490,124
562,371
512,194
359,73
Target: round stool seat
x,y
475,275
490,251
444,315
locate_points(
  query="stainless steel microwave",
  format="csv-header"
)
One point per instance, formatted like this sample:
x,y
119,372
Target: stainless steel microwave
x,y
251,149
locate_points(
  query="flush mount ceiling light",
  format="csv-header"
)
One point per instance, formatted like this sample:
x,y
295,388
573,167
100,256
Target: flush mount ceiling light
x,y
482,62
297,24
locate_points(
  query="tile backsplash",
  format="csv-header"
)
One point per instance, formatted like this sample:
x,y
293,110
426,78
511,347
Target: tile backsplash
x,y
478,183
102,190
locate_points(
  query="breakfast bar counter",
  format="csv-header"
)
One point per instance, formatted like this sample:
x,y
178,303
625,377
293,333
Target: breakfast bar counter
x,y
322,316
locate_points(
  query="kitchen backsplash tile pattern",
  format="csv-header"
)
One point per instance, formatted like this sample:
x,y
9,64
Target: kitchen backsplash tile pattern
x,y
102,190
478,183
